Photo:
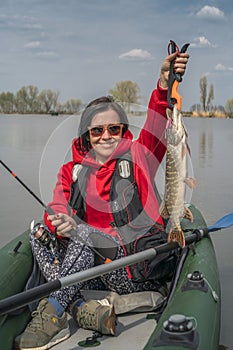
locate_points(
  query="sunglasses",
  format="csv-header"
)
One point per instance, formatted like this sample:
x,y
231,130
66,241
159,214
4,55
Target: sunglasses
x,y
113,129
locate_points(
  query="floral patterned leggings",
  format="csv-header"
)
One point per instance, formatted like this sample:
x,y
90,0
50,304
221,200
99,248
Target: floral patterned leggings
x,y
75,257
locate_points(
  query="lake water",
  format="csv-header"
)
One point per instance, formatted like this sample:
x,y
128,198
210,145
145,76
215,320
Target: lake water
x,y
34,147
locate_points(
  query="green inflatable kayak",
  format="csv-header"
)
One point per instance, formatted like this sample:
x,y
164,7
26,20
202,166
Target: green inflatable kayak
x,y
190,319
15,268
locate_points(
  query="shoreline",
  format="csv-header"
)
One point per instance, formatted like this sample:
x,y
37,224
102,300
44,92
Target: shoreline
x,y
216,115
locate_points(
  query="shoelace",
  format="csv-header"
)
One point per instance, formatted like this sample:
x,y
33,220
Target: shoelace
x,y
38,318
87,319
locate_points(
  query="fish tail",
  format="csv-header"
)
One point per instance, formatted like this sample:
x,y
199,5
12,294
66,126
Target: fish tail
x,y
177,235
188,214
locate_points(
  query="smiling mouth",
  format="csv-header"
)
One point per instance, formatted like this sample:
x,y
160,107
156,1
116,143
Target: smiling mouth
x,y
107,145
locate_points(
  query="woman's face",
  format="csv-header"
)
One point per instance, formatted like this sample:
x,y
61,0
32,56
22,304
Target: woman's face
x,y
104,135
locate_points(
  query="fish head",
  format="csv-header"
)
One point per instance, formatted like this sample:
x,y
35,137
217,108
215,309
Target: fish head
x,y
175,130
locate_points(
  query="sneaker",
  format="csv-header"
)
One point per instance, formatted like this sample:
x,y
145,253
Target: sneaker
x,y
44,330
98,315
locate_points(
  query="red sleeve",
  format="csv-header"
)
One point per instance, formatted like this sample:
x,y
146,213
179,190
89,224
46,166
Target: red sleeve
x,y
153,133
61,193
158,100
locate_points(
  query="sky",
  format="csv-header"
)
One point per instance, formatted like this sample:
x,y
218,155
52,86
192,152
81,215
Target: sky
x,y
82,48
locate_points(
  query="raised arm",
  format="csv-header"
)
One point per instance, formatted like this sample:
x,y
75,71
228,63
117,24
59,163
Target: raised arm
x,y
153,133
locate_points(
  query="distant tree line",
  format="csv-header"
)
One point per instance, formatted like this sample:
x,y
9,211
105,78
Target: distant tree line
x,y
29,100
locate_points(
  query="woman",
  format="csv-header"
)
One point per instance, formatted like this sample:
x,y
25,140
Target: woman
x,y
106,195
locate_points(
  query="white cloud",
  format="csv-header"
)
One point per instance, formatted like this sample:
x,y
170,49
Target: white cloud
x,y
201,42
32,45
47,55
221,68
210,12
136,54
32,26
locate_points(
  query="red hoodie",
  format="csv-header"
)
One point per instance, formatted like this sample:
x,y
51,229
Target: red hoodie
x,y
147,153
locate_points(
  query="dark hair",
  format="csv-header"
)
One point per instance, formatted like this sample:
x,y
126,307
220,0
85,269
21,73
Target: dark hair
x,y
98,105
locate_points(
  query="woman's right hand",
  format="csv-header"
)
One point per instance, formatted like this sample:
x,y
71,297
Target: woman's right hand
x,y
181,60
63,224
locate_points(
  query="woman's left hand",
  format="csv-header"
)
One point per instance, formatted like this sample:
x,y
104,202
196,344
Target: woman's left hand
x,y
63,224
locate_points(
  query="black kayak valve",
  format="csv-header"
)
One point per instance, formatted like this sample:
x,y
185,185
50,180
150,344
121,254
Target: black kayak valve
x,y
178,331
178,323
196,276
195,281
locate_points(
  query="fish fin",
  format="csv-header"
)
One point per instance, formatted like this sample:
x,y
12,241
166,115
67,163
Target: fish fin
x,y
191,182
185,129
169,118
163,210
184,150
177,235
189,150
188,214
168,113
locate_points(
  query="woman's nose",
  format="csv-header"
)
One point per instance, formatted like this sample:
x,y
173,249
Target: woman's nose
x,y
106,134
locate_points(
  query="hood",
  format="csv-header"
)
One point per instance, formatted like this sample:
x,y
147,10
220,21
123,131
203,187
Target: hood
x,y
89,159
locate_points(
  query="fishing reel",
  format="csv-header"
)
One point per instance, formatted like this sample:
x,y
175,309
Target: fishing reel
x,y
43,235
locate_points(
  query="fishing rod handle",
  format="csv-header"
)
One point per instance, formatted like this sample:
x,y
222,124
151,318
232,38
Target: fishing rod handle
x,y
50,211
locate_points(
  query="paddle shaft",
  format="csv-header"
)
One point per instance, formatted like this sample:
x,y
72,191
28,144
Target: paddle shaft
x,y
24,298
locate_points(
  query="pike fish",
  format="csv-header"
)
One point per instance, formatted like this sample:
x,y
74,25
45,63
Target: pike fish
x,y
173,204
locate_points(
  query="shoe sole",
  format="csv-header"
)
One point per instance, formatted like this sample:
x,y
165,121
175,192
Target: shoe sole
x,y
110,323
61,336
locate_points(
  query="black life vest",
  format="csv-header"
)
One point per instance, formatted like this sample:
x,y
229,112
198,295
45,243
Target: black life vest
x,y
130,219
135,228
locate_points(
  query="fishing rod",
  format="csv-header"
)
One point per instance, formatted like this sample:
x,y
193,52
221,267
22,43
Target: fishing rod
x,y
23,184
24,298
50,211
